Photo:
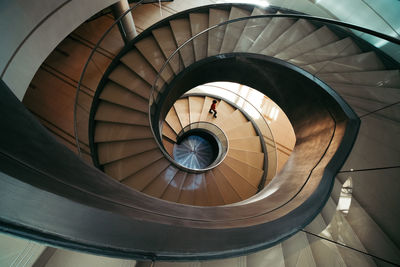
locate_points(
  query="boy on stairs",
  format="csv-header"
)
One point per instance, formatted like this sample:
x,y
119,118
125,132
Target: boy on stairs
x,y
213,108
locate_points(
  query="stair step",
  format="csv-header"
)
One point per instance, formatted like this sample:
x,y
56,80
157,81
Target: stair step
x,y
145,176
106,132
247,144
271,32
166,41
216,36
108,152
195,107
251,31
182,110
228,193
214,195
158,186
187,191
123,76
223,117
254,159
273,256
168,131
235,119
380,78
243,188
182,33
114,93
169,146
324,253
137,63
113,113
150,50
339,224
341,48
297,252
173,120
234,30
251,174
361,62
206,107
201,195
367,98
198,23
123,168
243,130
174,188
319,38
297,31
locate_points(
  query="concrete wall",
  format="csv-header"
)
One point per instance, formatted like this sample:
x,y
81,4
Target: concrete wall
x,y
30,30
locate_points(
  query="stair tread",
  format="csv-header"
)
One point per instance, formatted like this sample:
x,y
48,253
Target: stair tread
x,y
115,113
168,131
341,48
108,152
135,61
182,32
201,195
173,120
247,143
242,130
114,93
169,146
125,167
255,159
195,107
158,186
319,38
243,188
251,31
145,176
297,31
216,36
166,41
228,193
108,131
150,50
215,196
272,31
251,174
173,190
384,78
368,97
198,23
181,107
123,76
187,191
234,30
360,62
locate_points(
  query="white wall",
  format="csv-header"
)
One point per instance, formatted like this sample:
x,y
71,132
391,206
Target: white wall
x,y
19,27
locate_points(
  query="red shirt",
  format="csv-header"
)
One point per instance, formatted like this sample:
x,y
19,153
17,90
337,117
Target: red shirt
x,y
213,106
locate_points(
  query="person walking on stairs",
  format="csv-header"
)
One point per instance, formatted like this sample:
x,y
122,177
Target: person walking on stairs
x,y
213,108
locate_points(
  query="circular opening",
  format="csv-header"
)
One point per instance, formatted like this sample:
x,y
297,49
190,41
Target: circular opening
x,y
196,150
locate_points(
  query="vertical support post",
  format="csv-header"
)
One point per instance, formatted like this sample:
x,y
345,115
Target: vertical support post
x,y
126,25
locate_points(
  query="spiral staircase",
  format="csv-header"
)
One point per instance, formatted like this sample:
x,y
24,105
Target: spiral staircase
x,y
122,142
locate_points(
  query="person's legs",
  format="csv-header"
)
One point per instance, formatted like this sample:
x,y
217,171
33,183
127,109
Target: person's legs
x,y
215,113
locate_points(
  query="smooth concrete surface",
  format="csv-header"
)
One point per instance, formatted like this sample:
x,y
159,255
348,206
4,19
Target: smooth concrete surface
x,y
44,39
67,258
19,252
